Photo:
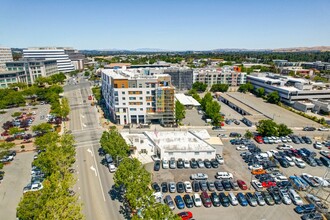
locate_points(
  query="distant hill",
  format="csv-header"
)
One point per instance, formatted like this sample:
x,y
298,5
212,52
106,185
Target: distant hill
x,y
303,49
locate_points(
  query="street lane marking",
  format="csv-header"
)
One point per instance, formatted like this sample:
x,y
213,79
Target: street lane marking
x,y
98,176
82,116
89,150
84,125
92,168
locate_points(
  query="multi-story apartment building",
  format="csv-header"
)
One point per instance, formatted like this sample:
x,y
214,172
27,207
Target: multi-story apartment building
x,y
34,68
64,64
316,65
289,89
181,78
225,75
131,96
10,77
5,56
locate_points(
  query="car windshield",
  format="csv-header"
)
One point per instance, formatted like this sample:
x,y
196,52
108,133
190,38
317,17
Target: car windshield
x,y
197,199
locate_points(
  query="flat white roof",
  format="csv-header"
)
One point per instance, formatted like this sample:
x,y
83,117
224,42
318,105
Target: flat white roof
x,y
178,141
186,100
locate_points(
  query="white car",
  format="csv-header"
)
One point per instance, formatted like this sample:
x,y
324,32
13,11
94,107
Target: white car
x,y
197,200
219,158
165,164
260,198
296,199
325,153
289,160
187,186
318,145
256,185
284,140
199,176
321,181
288,139
186,164
255,167
280,178
323,129
224,175
299,162
232,199
285,197
112,168
284,147
242,148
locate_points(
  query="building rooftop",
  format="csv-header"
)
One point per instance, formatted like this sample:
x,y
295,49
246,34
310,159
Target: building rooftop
x,y
238,103
186,100
178,141
130,74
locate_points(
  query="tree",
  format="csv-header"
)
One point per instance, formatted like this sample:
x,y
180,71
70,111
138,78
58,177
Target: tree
x,y
248,134
20,85
42,128
4,146
283,130
273,97
114,144
245,87
14,130
213,111
65,107
97,93
132,175
260,92
219,88
199,86
206,99
267,128
180,111
158,211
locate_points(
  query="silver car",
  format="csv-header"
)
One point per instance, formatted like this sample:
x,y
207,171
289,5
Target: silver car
x,y
172,164
285,197
169,201
172,187
260,198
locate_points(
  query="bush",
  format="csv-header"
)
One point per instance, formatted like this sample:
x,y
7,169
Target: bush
x,y
15,114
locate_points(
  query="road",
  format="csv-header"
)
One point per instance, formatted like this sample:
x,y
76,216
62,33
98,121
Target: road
x,y
94,181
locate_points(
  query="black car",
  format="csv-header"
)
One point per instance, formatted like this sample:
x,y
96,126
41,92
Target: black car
x,y
157,165
275,195
207,163
224,199
215,199
189,202
155,187
307,140
180,164
164,187
318,161
218,185
226,185
309,129
193,164
195,186
311,161
235,134
325,161
203,185
214,163
180,187
283,162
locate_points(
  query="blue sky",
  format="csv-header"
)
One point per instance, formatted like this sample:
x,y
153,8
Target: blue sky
x,y
166,24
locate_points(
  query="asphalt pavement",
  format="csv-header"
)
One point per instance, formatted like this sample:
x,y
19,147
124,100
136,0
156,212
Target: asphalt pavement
x,y
94,181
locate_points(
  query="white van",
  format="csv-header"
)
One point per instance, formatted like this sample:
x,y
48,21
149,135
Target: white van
x,y
112,168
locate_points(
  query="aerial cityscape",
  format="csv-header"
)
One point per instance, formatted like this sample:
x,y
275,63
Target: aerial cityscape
x,y
165,110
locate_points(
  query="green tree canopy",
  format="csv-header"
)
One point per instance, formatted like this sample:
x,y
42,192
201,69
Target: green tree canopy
x,y
219,88
180,111
270,128
206,99
248,134
114,144
199,86
283,130
248,87
42,128
273,97
260,92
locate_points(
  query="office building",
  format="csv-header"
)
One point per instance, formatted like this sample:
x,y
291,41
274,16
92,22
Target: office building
x,y
5,56
131,96
316,65
64,64
77,58
10,77
226,75
34,68
289,89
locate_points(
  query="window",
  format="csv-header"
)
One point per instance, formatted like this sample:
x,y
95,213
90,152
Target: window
x,y
122,85
140,85
132,98
132,109
196,153
124,98
209,153
141,98
170,153
148,92
141,109
123,93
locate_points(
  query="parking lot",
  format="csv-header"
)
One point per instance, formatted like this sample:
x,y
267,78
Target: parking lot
x,y
279,114
17,175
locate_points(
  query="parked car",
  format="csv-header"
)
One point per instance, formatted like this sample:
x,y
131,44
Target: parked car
x,y
164,187
276,196
172,164
207,163
193,164
241,199
180,187
317,145
218,185
303,209
200,163
256,185
325,161
195,186
242,184
260,198
251,199
188,201
168,201
203,185
285,197
180,163
296,199
219,158
165,164
156,165
172,187
226,185
187,215
312,216
299,162
215,199
187,187
186,164
206,199
234,185
199,176
224,175
224,199
179,202
214,163
197,200
268,198
210,186
232,199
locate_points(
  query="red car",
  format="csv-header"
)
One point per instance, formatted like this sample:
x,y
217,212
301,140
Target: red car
x,y
206,199
5,133
295,153
268,184
242,184
185,215
259,139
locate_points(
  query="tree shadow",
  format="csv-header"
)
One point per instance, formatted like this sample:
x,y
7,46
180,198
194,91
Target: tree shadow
x,y
118,193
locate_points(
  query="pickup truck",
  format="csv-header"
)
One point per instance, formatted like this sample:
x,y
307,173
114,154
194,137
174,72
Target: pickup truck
x,y
199,176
